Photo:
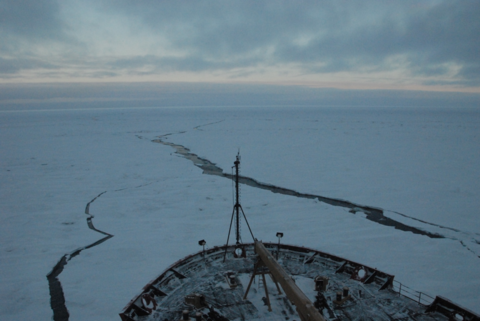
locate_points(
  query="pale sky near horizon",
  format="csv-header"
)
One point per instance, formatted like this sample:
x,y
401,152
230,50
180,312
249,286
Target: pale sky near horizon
x,y
431,45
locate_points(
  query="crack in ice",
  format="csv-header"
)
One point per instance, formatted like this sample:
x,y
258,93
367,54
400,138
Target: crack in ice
x,y
57,297
373,214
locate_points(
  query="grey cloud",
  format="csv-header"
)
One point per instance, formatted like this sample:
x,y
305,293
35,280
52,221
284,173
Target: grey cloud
x,y
170,63
31,19
223,29
319,36
25,27
342,36
446,34
13,65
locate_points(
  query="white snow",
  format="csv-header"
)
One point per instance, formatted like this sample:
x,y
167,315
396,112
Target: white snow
x,y
422,163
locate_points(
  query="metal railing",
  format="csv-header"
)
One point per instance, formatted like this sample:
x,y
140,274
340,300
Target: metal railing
x,y
414,295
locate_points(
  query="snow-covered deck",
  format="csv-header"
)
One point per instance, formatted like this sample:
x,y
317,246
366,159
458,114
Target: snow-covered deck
x,y
370,292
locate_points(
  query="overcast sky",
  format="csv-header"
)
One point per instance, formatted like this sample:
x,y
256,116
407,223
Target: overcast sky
x,y
368,44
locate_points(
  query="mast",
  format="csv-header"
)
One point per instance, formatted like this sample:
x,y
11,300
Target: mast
x,y
237,199
236,210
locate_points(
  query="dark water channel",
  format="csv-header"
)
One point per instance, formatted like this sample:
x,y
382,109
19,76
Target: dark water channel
x,y
57,297
373,214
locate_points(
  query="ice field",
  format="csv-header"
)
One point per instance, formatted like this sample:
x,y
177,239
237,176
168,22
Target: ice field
x,y
420,165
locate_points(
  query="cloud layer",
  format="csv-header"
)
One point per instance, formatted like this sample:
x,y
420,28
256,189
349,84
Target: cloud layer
x,y
426,43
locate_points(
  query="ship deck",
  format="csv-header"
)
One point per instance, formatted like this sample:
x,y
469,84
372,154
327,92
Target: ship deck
x,y
220,287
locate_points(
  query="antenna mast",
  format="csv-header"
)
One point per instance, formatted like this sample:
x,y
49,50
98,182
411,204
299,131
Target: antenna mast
x,y
237,200
236,209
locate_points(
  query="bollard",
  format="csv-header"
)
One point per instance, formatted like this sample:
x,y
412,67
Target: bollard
x,y
339,296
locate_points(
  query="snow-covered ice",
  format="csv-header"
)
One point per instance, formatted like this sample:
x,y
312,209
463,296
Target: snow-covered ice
x,y
419,165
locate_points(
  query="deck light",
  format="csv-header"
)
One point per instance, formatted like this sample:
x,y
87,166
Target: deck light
x,y
279,235
202,243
